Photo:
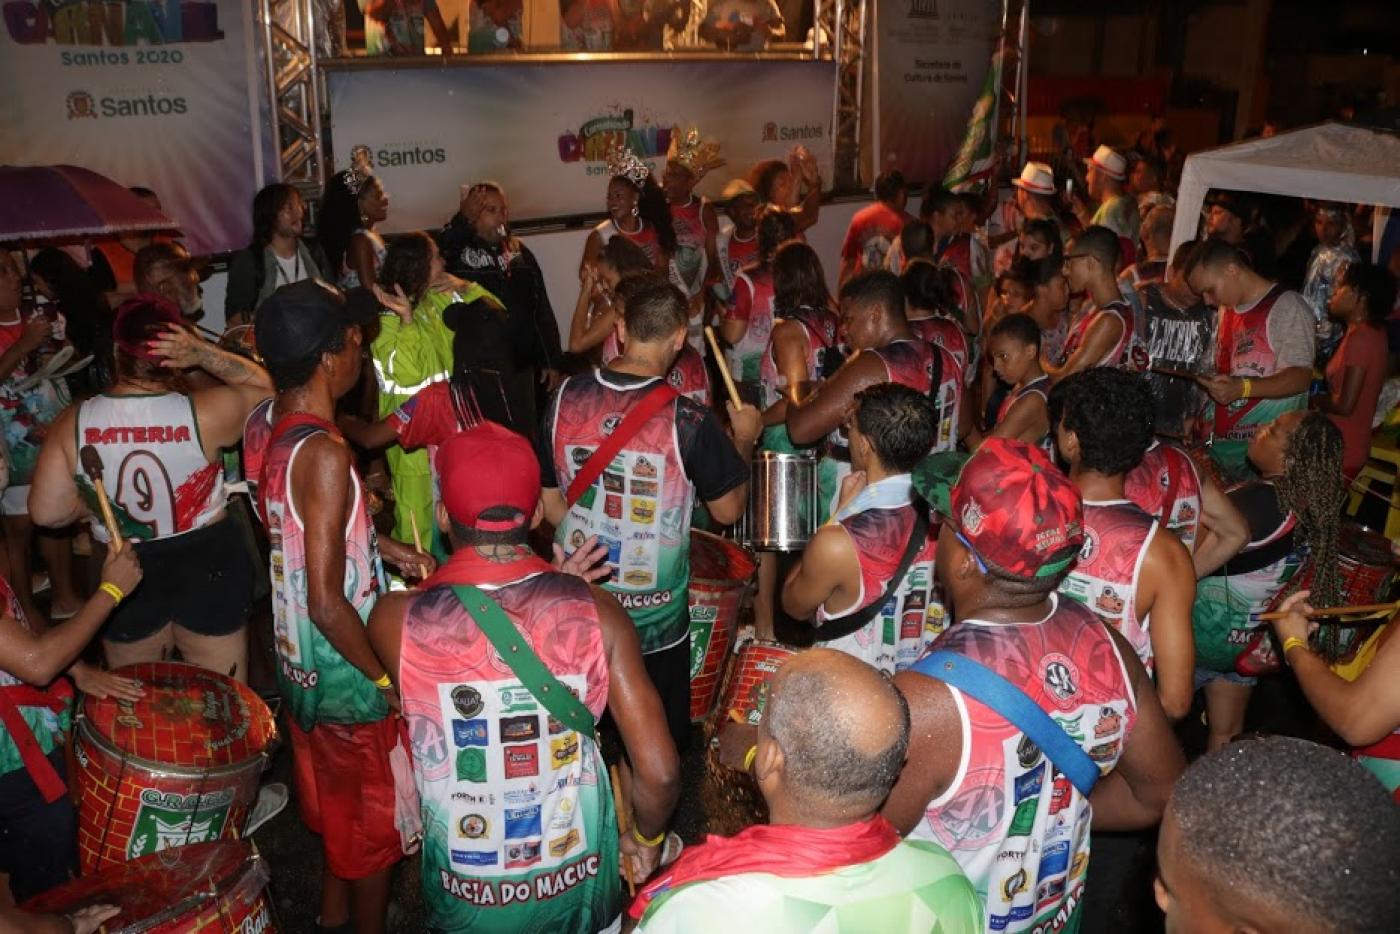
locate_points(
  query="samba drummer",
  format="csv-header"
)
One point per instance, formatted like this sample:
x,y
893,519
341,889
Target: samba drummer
x,y
161,443
39,845
1295,505
624,457
872,323
1137,581
801,352
866,578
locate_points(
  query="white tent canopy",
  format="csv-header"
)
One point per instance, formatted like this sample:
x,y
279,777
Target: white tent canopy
x,y
1329,162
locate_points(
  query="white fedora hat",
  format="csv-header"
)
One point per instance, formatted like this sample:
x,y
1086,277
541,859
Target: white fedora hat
x,y
1037,178
1109,163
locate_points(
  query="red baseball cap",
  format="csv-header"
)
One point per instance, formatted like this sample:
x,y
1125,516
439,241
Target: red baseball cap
x,y
1017,511
486,467
141,319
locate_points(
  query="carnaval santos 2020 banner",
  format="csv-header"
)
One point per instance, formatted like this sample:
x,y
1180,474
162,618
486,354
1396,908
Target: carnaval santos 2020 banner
x,y
931,59
543,130
156,93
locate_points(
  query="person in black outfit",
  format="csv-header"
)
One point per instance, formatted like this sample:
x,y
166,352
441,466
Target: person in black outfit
x,y
477,245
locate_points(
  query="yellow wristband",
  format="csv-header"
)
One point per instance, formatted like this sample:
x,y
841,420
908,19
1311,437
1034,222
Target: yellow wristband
x,y
653,842
113,591
1247,389
383,682
1291,643
749,757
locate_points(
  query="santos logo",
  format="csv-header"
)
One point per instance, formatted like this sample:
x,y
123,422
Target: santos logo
x,y
81,105
410,154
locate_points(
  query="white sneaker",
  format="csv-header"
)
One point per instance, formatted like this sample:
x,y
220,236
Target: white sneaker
x,y
671,849
272,798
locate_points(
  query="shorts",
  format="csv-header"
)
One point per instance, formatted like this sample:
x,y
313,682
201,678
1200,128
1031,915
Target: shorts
x,y
38,840
1205,676
201,581
669,670
15,501
345,792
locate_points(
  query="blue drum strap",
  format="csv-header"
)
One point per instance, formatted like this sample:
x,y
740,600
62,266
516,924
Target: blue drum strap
x,y
978,681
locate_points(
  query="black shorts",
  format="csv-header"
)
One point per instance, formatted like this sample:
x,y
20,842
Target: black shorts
x,y
38,840
669,670
201,580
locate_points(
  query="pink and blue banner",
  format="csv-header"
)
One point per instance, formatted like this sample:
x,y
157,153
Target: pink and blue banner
x,y
161,94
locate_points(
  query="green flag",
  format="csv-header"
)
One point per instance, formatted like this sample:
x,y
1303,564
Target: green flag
x,y
975,157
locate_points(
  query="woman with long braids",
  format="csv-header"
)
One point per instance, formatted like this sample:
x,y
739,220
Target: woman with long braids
x,y
747,321
353,203
276,256
637,210
1293,512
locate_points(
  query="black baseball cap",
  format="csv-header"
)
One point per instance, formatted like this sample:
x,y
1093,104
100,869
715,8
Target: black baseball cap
x,y
300,322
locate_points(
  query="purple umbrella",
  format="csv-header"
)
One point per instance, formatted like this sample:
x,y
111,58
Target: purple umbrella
x,y
50,202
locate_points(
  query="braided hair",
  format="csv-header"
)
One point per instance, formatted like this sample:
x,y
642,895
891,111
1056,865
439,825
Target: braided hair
x,y
1311,489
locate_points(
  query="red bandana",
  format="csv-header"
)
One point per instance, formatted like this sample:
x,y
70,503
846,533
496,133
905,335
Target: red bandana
x,y
786,850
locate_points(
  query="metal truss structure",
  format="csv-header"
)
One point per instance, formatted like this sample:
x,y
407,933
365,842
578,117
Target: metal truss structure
x,y
294,90
846,24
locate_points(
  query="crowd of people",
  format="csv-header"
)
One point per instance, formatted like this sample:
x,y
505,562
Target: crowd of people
x,y
1061,475
409,27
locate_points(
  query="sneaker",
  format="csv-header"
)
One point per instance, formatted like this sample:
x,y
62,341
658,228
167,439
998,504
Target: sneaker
x,y
671,849
272,798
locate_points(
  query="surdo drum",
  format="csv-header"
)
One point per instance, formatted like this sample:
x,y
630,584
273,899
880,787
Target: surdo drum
x,y
720,574
206,888
179,766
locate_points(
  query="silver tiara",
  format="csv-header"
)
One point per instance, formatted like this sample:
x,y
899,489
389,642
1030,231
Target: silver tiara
x,y
626,163
361,168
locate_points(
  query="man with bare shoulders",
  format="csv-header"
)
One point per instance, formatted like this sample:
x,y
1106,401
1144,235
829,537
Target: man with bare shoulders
x,y
549,809
1015,811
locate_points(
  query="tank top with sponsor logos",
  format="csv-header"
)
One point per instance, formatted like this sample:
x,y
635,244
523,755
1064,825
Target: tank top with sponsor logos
x,y
154,468
1014,822
639,507
519,831
318,684
1117,535
914,615
691,261
1118,354
751,303
819,326
913,363
1167,485
48,726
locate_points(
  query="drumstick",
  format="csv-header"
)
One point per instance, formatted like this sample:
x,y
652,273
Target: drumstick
x,y
1337,610
723,368
92,466
622,828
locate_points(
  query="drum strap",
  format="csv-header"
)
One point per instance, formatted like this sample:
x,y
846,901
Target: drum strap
x,y
593,468
983,684
516,652
55,698
840,628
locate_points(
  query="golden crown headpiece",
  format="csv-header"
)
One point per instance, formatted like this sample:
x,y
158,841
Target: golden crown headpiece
x,y
697,156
